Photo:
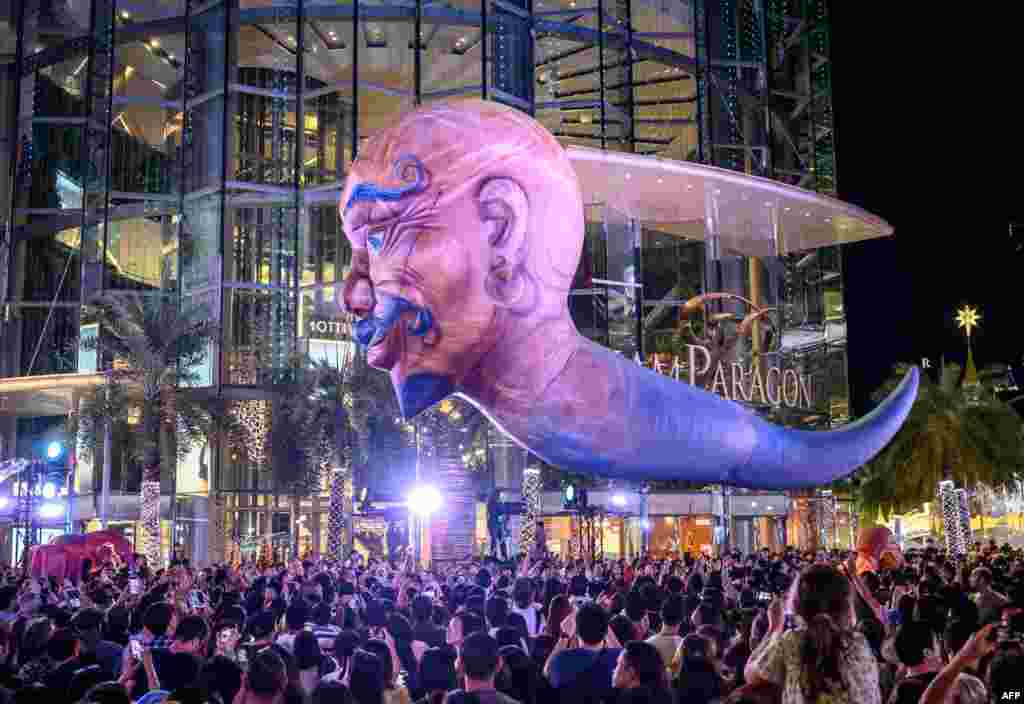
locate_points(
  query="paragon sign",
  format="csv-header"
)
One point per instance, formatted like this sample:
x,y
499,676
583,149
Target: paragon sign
x,y
711,354
751,384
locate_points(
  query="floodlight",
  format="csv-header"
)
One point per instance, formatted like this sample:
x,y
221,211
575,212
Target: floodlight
x,y
54,450
424,501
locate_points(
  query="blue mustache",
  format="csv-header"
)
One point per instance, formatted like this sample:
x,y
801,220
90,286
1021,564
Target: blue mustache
x,y
375,327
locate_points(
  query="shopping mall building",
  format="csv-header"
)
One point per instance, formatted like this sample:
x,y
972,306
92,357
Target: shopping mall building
x,y
199,148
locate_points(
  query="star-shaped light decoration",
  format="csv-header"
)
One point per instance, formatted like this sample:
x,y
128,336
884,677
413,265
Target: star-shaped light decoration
x,y
967,318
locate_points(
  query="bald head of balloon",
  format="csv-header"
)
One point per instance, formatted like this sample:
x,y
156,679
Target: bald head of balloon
x,y
514,169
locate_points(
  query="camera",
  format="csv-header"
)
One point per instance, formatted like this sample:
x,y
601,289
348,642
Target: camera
x,y
764,597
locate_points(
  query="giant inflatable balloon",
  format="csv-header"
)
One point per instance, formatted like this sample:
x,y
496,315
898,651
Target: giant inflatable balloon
x,y
466,224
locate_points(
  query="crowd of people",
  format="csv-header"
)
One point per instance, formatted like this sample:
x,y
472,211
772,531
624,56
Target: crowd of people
x,y
764,628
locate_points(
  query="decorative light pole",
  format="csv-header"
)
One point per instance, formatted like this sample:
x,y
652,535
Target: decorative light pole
x,y
956,517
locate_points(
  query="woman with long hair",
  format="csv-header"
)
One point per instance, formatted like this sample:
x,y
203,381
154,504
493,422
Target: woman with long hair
x,y
697,680
366,677
558,610
622,627
394,691
437,675
308,659
824,658
531,613
518,677
553,587
400,631
331,693
345,645
36,664
640,667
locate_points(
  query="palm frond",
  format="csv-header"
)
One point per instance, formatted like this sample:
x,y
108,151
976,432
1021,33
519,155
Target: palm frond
x,y
974,443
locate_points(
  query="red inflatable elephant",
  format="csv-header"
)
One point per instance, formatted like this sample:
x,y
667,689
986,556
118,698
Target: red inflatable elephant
x,y
64,556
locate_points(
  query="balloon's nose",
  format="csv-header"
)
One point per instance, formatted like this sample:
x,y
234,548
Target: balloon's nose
x,y
359,299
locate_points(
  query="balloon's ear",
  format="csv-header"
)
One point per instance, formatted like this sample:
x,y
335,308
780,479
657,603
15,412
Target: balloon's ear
x,y
504,209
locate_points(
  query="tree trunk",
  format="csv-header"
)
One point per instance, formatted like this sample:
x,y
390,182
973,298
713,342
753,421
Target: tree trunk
x,y
339,514
153,415
149,509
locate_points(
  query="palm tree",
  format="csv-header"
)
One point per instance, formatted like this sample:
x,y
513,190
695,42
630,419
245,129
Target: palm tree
x,y
947,436
157,348
322,422
369,396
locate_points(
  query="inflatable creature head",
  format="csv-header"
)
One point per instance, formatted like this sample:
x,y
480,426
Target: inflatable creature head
x,y
466,223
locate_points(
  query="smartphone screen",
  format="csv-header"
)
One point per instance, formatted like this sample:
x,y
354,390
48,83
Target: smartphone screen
x,y
136,647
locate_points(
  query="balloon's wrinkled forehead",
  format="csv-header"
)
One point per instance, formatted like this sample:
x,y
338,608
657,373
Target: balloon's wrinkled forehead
x,y
439,152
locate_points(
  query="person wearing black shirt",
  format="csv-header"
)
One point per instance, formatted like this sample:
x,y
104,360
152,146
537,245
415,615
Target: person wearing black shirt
x,y
423,628
88,626
63,650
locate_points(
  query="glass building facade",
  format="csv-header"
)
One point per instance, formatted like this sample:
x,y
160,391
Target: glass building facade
x,y
199,148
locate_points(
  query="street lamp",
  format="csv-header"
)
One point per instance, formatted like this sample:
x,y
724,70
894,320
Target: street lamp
x,y
423,502
54,450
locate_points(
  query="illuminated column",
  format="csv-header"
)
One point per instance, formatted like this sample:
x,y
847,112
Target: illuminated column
x,y
950,503
827,510
645,524
964,506
531,503
723,520
149,513
575,535
336,525
218,531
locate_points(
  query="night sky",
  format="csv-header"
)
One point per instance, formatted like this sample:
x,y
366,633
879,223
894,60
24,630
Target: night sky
x,y
927,139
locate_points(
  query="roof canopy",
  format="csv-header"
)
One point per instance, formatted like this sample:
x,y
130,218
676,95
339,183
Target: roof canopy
x,y
751,216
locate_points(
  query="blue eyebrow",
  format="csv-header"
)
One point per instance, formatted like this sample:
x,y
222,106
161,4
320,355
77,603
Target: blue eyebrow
x,y
371,192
